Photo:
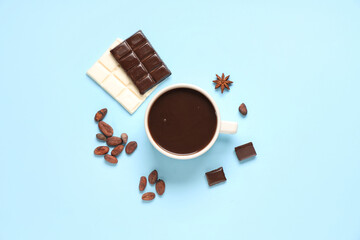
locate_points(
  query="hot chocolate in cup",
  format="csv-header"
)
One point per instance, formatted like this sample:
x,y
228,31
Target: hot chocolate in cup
x,y
182,121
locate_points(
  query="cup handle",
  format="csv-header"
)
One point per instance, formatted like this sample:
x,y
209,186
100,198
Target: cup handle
x,y
228,127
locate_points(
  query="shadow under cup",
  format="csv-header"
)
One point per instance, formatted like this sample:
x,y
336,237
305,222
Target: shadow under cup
x,y
182,121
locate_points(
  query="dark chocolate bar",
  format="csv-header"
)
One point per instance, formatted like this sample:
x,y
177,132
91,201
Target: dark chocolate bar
x,y
245,151
141,62
215,176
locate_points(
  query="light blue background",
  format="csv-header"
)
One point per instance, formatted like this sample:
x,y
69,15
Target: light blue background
x,y
295,65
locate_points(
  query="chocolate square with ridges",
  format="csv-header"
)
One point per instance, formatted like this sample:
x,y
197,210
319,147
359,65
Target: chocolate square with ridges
x,y
144,51
120,50
138,72
152,62
160,73
136,39
145,84
129,61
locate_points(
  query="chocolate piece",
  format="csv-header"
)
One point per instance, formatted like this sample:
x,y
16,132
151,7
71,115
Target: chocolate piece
x,y
136,39
159,73
215,176
144,51
141,62
152,62
245,151
121,50
137,73
146,82
129,61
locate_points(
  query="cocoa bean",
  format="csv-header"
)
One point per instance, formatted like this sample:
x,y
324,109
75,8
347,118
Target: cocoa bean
x,y
142,184
117,150
106,129
101,150
148,196
100,115
130,147
153,176
160,187
110,159
101,137
124,138
113,141
243,109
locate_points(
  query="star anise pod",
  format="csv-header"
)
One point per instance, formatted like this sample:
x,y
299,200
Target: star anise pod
x,y
222,82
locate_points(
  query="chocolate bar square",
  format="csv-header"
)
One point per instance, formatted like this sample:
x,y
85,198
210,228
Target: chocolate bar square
x,y
145,83
215,176
138,72
141,62
121,50
245,151
129,61
160,73
152,62
144,51
136,39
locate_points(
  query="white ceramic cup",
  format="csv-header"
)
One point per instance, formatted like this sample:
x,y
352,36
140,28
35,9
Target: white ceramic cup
x,y
222,126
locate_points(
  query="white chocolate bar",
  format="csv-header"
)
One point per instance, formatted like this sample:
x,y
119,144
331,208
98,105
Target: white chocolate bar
x,y
110,76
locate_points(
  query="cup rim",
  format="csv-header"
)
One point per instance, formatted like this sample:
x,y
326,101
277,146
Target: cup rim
x,y
185,156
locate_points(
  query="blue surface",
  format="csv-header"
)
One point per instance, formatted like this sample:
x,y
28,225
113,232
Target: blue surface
x,y
295,65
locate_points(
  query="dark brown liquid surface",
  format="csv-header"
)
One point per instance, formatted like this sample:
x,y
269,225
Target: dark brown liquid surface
x,y
182,121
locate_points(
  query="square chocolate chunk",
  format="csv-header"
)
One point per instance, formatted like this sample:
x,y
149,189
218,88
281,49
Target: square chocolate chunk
x,y
138,72
215,176
145,83
160,73
129,61
136,39
141,62
144,51
152,62
245,151
120,51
